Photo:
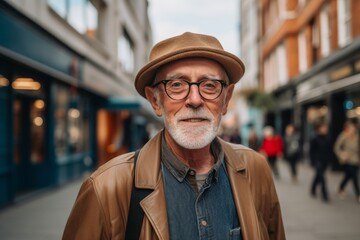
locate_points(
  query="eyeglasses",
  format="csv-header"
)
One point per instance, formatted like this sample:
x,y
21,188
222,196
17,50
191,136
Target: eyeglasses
x,y
179,89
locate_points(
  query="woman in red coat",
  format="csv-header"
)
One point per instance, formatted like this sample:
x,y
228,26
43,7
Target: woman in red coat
x,y
272,148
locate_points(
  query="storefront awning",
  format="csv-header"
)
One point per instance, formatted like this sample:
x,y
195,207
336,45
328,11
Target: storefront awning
x,y
117,103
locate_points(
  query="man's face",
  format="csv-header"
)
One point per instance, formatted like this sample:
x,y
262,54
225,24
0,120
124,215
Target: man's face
x,y
192,122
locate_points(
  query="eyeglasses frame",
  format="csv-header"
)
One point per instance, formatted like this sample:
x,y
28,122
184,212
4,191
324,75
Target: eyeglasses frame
x,y
222,82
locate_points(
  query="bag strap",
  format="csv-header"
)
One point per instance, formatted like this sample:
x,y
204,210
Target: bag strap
x,y
136,214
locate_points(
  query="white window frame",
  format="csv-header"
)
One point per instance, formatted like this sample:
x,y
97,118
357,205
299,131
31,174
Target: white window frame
x,y
126,55
325,31
81,15
344,22
303,63
282,65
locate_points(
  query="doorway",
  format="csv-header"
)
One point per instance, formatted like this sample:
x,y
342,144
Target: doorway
x,y
29,137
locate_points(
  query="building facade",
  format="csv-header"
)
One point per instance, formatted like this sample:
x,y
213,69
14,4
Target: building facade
x,y
310,60
67,100
251,118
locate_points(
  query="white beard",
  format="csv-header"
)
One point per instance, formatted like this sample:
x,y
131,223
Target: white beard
x,y
193,137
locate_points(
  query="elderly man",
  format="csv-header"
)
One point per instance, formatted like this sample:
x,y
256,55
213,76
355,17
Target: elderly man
x,y
199,186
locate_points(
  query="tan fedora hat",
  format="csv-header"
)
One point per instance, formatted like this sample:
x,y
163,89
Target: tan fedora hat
x,y
185,46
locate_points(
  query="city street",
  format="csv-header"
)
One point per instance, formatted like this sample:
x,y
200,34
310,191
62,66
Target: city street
x,y
43,215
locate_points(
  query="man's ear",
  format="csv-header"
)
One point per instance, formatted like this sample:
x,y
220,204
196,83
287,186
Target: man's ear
x,y
229,93
154,101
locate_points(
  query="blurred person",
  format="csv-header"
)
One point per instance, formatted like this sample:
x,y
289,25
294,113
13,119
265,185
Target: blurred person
x,y
272,148
292,149
320,150
347,150
236,136
225,134
200,186
253,141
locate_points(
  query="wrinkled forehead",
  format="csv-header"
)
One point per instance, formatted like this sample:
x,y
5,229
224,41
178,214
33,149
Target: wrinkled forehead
x,y
213,67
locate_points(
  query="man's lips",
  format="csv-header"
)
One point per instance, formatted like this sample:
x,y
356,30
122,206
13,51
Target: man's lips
x,y
194,120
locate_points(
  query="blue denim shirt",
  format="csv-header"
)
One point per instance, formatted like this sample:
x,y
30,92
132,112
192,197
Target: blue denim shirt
x,y
209,213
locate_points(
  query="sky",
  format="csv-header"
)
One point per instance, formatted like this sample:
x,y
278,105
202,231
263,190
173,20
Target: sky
x,y
219,18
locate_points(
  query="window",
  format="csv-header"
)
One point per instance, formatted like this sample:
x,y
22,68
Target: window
x,y
325,31
71,122
302,52
61,103
59,6
76,15
126,52
315,40
344,22
80,14
282,64
271,72
37,130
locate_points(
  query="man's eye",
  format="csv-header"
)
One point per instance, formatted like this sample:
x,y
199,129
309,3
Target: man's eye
x,y
176,84
209,84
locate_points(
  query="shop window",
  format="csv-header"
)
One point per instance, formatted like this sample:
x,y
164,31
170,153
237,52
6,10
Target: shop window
x,y
352,106
126,52
71,122
83,15
61,103
37,131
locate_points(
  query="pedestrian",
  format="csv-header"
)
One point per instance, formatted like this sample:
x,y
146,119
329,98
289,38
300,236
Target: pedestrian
x,y
320,149
253,141
347,150
292,149
200,187
272,148
236,136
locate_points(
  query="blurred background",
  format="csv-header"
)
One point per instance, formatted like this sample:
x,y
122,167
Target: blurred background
x,y
68,104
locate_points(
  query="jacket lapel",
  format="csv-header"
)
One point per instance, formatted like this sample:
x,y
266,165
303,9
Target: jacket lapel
x,y
148,175
154,207
243,197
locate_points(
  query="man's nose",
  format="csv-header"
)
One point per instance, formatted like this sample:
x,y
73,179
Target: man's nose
x,y
194,98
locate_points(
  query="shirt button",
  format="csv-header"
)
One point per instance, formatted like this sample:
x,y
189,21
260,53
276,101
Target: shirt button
x,y
192,172
204,223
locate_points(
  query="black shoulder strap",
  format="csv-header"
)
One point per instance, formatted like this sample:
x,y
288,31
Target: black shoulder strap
x,y
136,214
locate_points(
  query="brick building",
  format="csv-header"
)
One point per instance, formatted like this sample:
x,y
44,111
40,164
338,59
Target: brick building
x,y
310,61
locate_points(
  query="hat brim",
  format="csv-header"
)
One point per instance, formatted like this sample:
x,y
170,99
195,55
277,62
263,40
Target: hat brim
x,y
233,66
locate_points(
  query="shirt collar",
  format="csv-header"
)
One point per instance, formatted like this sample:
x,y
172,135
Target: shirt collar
x,y
178,169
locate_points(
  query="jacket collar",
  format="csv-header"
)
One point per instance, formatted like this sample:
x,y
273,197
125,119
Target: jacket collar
x,y
147,170
148,175
232,158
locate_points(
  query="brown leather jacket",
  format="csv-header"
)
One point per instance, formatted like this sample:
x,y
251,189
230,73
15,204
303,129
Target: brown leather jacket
x,y
101,207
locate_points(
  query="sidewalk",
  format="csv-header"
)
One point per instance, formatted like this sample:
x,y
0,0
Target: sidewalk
x,y
310,218
39,217
43,216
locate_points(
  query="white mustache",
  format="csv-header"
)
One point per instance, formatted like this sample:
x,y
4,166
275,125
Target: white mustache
x,y
199,114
